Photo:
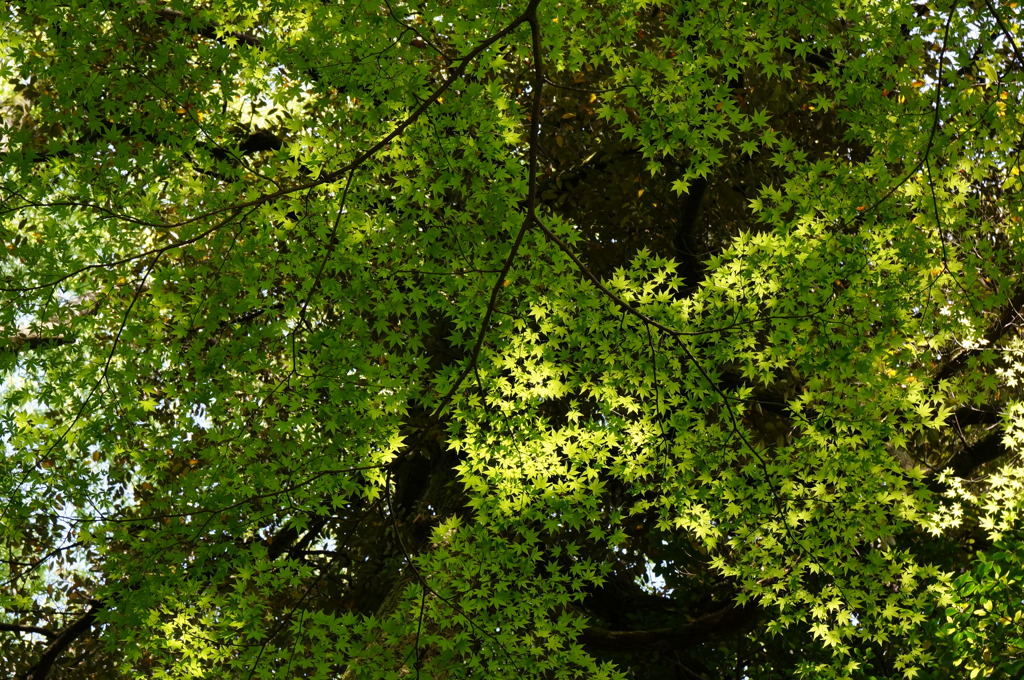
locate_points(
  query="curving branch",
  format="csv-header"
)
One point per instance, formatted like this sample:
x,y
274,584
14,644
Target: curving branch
x,y
206,29
718,624
965,462
63,640
226,215
970,415
1007,321
30,341
529,17
27,630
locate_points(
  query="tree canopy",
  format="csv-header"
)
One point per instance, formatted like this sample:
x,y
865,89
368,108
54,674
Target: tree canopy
x,y
547,339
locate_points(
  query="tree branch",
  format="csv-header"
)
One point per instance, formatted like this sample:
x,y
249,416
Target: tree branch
x,y
986,450
1008,320
206,29
18,628
31,341
81,626
727,621
969,415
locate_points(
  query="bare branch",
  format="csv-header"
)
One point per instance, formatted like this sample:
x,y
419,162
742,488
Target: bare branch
x,y
1007,321
81,626
30,341
28,630
206,29
727,621
965,462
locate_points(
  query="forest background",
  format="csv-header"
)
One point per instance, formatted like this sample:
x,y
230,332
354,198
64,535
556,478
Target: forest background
x,y
534,339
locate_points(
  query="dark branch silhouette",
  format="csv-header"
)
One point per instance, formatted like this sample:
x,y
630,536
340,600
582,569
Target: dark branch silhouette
x,y
1007,321
726,621
28,630
81,626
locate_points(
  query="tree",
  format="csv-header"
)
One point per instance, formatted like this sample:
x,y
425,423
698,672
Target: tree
x,y
525,339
